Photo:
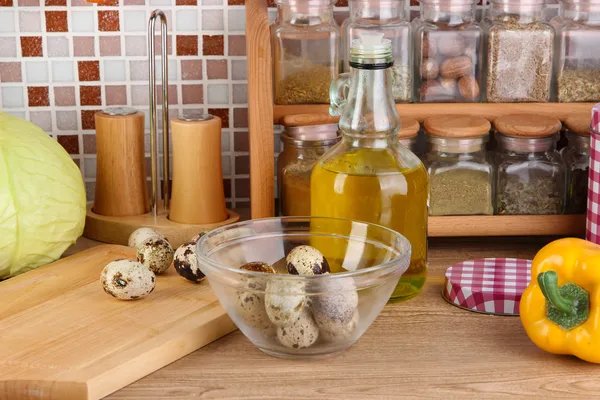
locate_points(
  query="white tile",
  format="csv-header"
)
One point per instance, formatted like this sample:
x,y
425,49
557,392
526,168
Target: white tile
x,y
218,94
114,70
90,167
36,71
212,2
226,165
66,120
58,46
42,119
239,70
134,21
136,46
8,47
62,71
30,21
18,114
139,95
187,20
225,142
82,21
138,70
161,2
236,20
7,21
12,97
172,70
212,20
272,15
240,93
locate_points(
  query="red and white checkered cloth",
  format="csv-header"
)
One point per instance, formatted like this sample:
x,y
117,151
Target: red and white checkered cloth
x,y
593,200
488,285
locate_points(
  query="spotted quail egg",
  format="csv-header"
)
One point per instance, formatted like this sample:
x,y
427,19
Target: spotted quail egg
x,y
156,254
251,306
186,262
141,234
306,260
340,332
300,333
284,300
127,280
197,237
335,309
258,266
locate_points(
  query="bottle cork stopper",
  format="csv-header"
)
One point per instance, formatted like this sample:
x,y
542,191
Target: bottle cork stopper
x,y
457,126
579,123
409,128
527,125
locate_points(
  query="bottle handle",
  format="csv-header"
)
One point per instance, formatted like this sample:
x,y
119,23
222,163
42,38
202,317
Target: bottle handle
x,y
337,94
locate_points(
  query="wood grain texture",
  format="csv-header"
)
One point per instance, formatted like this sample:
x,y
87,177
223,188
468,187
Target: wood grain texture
x,y
64,338
116,230
260,110
424,348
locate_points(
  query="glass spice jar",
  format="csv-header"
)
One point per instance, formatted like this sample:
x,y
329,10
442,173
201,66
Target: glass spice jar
x,y
448,52
576,156
408,134
519,52
302,147
305,42
461,175
530,175
578,51
387,17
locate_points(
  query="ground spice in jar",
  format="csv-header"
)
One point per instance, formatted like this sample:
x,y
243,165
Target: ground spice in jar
x,y
307,86
537,197
579,85
295,190
460,192
401,82
519,67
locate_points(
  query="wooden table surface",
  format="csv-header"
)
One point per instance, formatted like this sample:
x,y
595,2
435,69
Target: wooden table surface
x,y
423,348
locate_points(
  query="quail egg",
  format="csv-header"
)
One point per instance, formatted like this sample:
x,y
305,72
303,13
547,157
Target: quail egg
x,y
300,333
156,254
284,300
141,234
335,309
339,332
251,306
306,260
127,280
258,266
186,262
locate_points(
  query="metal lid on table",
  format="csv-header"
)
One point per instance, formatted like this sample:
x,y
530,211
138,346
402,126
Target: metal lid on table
x,y
487,285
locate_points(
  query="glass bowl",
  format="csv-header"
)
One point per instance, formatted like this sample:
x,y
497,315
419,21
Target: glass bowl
x,y
300,316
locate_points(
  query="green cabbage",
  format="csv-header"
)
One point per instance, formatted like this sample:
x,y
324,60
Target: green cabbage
x,y
42,197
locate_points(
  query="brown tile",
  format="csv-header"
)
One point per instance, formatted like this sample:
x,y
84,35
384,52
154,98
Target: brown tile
x,y
191,70
62,3
31,46
10,72
109,3
227,187
242,187
89,144
108,21
213,45
222,113
216,69
237,45
242,165
241,141
69,142
56,21
240,118
236,2
116,95
110,46
90,96
6,3
77,162
88,120
89,70
38,96
187,45
341,3
186,2
64,96
192,94
83,46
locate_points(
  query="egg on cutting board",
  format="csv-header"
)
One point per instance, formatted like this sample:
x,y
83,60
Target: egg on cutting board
x,y
127,280
156,254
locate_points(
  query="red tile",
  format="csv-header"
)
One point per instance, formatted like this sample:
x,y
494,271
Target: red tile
x,y
241,141
216,69
108,21
56,21
237,45
88,120
191,70
227,187
116,95
213,45
186,2
6,3
110,3
31,46
242,187
38,96
236,2
242,165
69,142
192,94
88,70
222,113
90,96
64,96
62,3
187,45
341,3
240,118
10,72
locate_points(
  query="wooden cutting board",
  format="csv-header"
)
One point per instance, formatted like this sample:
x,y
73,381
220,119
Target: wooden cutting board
x,y
62,337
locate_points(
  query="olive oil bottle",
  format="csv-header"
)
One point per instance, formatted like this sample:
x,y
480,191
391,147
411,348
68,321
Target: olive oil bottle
x,y
368,176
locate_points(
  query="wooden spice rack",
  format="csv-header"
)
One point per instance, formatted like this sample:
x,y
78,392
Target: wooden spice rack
x,y
263,114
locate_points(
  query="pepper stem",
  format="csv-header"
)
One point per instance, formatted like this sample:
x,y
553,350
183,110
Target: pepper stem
x,y
548,282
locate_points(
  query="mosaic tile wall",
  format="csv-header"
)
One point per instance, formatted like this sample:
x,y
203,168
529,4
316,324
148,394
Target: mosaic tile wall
x,y
62,60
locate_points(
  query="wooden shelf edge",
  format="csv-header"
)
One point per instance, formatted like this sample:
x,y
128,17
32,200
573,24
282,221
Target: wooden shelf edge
x,y
319,113
507,225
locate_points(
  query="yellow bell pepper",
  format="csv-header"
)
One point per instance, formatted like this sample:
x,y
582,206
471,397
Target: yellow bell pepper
x,y
560,309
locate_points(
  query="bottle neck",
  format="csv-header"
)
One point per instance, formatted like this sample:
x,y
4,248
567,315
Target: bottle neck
x,y
451,14
517,12
304,15
377,11
581,11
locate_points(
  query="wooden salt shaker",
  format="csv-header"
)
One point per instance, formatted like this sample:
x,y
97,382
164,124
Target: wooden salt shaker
x,y
197,193
121,189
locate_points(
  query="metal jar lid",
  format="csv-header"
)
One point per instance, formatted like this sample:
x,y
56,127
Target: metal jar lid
x,y
119,111
312,133
194,116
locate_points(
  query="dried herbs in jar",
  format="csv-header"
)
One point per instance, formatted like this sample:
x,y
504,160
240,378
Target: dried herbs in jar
x,y
576,156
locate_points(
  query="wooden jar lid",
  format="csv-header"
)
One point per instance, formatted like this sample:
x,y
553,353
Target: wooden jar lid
x,y
527,125
409,128
579,123
457,126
